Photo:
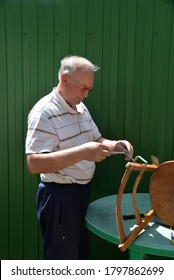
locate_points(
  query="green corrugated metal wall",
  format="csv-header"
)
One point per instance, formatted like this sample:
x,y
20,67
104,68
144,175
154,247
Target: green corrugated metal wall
x,y
133,43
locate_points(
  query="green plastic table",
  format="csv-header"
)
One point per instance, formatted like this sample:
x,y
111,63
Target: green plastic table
x,y
155,238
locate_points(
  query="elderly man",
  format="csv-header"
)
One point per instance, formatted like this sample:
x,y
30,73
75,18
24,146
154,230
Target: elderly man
x,y
62,145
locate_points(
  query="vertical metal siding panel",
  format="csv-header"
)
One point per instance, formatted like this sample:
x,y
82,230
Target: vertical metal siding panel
x,y
113,77
30,96
81,27
65,26
169,127
27,103
4,205
106,67
58,38
98,52
154,90
19,142
146,79
42,79
90,29
49,54
131,54
74,35
121,86
14,71
139,50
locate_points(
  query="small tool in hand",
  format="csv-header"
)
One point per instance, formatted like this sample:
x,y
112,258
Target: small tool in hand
x,y
118,153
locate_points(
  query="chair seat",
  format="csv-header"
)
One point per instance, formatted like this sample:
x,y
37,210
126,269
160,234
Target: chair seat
x,y
161,190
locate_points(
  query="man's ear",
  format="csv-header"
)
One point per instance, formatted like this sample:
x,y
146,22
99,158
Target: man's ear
x,y
64,79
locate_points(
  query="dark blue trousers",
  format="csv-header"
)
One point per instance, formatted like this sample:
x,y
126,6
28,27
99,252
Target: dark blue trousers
x,y
61,214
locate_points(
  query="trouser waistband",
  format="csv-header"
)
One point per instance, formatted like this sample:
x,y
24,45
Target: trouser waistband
x,y
73,185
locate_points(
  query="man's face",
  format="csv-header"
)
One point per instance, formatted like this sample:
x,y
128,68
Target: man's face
x,y
78,85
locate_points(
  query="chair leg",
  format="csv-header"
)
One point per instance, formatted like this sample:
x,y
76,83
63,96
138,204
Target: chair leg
x,y
134,191
133,234
119,220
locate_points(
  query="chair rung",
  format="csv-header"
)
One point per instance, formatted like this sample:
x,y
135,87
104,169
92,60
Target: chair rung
x,y
138,166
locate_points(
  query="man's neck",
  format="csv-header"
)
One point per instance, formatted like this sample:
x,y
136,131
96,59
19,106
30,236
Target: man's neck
x,y
60,91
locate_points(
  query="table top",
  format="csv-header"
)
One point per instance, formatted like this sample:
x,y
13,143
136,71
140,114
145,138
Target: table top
x,y
101,220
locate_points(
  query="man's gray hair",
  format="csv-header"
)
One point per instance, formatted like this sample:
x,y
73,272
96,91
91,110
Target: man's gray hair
x,y
70,63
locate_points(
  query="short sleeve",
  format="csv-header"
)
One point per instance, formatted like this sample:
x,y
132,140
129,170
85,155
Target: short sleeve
x,y
41,136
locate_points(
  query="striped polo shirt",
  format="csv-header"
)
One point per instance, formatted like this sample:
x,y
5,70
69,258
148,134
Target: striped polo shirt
x,y
54,126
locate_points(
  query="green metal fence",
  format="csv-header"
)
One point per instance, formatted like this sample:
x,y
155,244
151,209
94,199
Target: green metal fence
x,y
133,43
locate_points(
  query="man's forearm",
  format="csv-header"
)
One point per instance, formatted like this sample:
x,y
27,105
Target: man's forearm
x,y
55,161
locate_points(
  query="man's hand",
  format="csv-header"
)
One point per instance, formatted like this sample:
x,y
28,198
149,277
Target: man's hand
x,y
95,151
124,146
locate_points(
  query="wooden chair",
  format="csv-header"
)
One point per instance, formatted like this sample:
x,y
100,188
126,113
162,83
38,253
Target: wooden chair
x,y
161,190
